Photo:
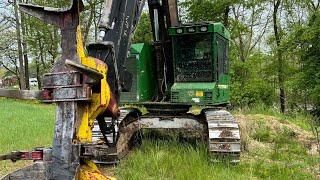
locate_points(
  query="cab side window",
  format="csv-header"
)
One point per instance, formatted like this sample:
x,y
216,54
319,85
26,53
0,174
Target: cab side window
x,y
222,62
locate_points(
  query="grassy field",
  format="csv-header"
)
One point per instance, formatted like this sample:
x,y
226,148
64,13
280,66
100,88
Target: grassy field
x,y
24,125
275,147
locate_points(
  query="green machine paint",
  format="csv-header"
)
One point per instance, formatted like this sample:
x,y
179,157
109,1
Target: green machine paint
x,y
200,56
140,65
200,81
200,64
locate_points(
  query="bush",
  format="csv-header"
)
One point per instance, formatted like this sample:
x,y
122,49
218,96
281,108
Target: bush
x,y
249,86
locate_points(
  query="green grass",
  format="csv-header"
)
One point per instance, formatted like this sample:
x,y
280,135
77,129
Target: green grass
x,y
173,160
300,119
25,125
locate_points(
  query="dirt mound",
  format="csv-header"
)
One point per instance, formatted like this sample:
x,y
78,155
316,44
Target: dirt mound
x,y
259,131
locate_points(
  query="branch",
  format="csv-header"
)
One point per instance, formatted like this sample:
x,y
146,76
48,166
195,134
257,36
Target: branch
x,y
261,35
8,69
251,29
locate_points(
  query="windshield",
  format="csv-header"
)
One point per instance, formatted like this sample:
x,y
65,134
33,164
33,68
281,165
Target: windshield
x,y
192,54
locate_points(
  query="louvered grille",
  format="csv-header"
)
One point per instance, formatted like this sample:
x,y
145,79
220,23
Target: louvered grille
x,y
175,96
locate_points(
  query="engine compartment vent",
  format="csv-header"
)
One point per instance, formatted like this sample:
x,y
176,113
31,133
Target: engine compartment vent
x,y
208,96
175,96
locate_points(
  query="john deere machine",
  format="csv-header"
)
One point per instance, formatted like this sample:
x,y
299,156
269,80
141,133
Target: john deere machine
x,y
100,91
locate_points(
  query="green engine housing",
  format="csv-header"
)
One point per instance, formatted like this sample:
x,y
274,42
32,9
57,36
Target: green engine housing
x,y
140,65
200,63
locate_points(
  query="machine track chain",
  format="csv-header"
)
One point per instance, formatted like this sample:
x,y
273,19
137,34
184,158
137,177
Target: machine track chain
x,y
223,135
97,134
126,128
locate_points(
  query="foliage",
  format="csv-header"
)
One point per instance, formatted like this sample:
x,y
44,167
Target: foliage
x,y
304,41
251,82
310,58
311,67
206,10
2,72
253,47
143,32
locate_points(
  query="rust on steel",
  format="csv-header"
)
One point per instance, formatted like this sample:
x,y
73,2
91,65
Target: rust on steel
x,y
173,11
92,73
25,94
67,20
226,133
113,107
65,155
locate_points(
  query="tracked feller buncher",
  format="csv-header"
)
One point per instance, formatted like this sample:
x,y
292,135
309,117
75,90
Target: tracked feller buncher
x,y
100,90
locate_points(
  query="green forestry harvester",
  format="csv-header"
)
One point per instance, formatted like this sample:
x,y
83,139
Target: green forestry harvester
x,y
186,66
158,86
195,76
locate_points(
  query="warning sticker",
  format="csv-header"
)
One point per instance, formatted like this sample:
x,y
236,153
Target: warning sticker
x,y
199,93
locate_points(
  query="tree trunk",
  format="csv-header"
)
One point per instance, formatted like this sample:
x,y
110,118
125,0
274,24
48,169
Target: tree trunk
x,y
277,36
241,43
38,64
20,51
25,49
241,46
95,23
55,45
226,16
38,74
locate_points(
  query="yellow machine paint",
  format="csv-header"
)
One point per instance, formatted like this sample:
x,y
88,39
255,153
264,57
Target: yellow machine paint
x,y
91,171
99,103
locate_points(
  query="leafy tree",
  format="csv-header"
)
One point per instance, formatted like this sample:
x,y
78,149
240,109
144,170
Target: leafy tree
x,y
274,44
251,82
2,72
303,41
208,10
307,39
143,32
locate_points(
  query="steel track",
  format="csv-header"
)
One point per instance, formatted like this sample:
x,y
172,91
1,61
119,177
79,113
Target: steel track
x,y
223,135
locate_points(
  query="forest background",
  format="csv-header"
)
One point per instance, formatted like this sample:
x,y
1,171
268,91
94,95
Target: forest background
x,y
274,51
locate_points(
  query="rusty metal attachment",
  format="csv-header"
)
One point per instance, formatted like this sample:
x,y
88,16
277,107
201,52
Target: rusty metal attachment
x,y
24,94
78,85
64,87
35,155
41,169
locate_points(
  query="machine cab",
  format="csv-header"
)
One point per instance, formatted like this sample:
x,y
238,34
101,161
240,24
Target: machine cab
x,y
200,58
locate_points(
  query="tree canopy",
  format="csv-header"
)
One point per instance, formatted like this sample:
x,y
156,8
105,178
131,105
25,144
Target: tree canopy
x,y
274,46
